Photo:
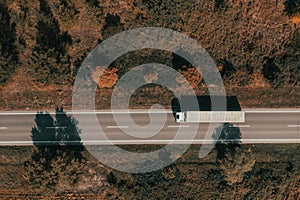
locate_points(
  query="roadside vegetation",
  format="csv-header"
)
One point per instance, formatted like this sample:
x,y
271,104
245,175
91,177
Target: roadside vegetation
x,y
255,44
275,174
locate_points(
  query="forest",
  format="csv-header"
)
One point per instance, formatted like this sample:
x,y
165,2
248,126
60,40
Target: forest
x,y
254,43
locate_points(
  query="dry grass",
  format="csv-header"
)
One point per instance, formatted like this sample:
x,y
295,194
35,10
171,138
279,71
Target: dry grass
x,y
267,180
144,98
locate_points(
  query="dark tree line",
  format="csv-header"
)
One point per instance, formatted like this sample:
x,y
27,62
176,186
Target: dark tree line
x,y
8,52
50,62
57,54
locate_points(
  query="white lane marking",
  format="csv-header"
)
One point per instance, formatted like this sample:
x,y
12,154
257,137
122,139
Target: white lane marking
x,y
56,127
241,126
117,126
110,142
293,126
3,128
178,126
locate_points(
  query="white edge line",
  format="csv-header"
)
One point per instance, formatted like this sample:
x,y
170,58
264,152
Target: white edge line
x,y
111,142
190,141
144,112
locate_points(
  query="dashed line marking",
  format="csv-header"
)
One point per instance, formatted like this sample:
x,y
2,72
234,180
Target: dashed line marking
x,y
241,126
117,126
3,128
178,126
294,126
56,127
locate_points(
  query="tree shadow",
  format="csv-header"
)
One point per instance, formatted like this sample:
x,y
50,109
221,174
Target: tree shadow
x,y
44,131
227,68
178,62
61,131
271,72
58,157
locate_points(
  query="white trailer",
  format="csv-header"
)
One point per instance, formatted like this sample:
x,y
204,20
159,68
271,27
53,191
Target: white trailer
x,y
211,116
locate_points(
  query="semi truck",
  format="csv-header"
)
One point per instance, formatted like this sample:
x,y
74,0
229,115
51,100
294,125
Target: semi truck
x,y
211,116
186,109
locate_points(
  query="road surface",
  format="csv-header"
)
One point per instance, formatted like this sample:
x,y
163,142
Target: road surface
x,y
261,126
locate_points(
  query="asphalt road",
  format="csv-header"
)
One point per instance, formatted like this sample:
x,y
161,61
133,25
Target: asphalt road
x,y
261,126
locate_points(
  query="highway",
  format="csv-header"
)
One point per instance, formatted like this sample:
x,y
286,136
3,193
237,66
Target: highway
x,y
260,126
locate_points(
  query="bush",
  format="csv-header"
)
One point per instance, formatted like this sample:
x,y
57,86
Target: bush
x,y
235,165
292,7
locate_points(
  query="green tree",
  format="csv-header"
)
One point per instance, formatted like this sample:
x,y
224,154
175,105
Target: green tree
x,y
233,162
236,164
168,173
